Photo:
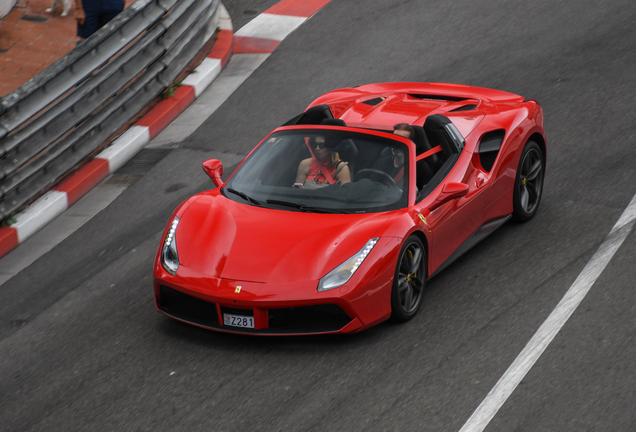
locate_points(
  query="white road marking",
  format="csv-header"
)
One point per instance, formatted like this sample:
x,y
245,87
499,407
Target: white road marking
x,y
553,324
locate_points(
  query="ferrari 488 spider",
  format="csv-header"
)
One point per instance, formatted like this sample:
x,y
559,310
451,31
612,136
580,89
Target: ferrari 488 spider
x,y
336,220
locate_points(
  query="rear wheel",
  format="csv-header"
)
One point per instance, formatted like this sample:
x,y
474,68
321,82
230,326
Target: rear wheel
x,y
409,280
528,183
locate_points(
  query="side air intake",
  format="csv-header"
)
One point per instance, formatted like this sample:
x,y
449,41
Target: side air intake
x,y
489,147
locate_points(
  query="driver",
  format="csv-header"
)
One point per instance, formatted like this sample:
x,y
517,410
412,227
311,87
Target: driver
x,y
323,168
393,163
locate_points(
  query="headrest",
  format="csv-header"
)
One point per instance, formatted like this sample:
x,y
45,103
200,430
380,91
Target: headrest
x,y
436,122
437,134
333,122
347,146
315,114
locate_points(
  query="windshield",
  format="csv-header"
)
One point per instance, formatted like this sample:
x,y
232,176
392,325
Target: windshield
x,y
324,170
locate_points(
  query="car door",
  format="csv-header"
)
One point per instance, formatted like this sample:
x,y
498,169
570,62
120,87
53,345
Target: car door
x,y
453,211
452,223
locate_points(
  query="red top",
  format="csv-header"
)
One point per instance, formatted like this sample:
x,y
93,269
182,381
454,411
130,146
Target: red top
x,y
317,170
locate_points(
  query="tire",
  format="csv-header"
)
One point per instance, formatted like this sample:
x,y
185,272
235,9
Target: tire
x,y
409,280
528,183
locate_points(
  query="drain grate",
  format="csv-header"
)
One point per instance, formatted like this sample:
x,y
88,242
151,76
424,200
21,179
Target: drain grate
x,y
143,161
34,18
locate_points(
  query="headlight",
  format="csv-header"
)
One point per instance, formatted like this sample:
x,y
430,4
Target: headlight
x,y
169,256
341,274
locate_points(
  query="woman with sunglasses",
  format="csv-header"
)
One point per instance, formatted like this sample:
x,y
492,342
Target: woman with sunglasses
x,y
323,168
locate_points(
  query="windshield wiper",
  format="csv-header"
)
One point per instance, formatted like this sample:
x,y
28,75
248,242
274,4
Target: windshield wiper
x,y
303,207
244,196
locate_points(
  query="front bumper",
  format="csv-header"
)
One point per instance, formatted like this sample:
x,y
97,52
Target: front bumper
x,y
299,320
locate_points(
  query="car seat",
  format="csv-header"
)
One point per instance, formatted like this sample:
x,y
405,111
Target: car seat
x,y
422,145
425,168
437,135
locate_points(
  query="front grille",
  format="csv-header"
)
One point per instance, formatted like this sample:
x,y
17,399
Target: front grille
x,y
326,318
308,319
187,308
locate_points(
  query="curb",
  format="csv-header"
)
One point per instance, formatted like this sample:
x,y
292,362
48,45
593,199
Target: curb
x,y
261,35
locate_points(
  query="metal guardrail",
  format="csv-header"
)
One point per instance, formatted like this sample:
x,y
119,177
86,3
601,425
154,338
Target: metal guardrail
x,y
55,121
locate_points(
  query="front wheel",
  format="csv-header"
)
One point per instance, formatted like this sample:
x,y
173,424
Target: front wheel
x,y
409,280
528,183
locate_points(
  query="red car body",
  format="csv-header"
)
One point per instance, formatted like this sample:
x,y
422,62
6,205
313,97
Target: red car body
x,y
238,259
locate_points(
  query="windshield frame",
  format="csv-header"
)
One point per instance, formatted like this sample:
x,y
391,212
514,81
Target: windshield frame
x,y
316,129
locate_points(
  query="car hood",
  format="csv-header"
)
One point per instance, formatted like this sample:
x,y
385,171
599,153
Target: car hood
x,y
218,237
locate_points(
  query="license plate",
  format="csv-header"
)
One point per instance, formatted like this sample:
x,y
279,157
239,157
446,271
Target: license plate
x,y
238,320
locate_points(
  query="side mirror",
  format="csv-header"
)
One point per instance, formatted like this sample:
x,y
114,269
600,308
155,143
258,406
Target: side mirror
x,y
214,169
450,191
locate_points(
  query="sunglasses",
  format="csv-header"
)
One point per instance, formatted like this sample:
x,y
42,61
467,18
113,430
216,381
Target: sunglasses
x,y
318,144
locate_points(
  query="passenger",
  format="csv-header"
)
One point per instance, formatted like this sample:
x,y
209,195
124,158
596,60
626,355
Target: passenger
x,y
323,168
403,129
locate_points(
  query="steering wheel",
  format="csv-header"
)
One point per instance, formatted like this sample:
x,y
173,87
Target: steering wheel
x,y
377,176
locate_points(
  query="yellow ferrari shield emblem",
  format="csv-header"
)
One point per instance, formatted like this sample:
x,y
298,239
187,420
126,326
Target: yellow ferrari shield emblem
x,y
238,289
423,218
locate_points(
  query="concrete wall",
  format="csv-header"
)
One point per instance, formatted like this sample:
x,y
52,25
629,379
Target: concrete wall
x,y
6,6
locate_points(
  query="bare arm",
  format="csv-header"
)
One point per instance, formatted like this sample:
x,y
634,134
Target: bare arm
x,y
303,170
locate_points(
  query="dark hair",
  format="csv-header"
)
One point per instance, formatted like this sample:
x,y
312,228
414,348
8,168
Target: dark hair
x,y
404,126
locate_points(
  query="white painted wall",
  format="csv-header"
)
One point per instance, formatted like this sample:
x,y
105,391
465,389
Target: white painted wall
x,y
6,6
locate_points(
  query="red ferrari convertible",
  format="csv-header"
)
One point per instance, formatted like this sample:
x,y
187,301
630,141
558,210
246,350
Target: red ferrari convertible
x,y
335,221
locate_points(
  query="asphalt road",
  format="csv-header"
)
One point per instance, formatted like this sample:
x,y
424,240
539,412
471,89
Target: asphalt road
x,y
82,348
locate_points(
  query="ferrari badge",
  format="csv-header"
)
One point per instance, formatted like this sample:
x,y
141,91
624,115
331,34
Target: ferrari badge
x,y
238,289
